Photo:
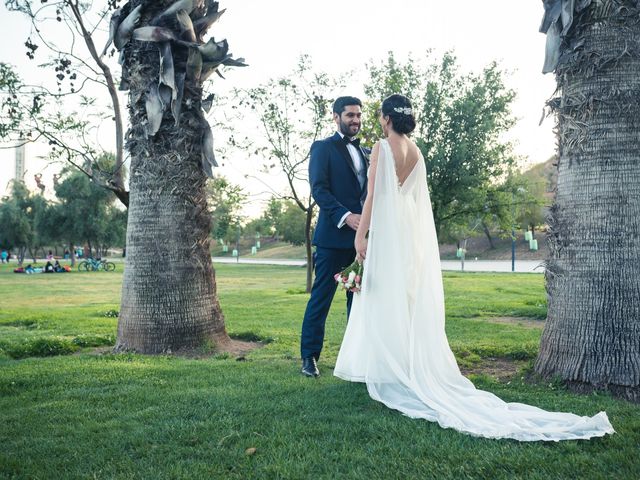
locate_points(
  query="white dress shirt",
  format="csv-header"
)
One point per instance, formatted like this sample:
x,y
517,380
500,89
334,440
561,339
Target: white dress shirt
x,y
357,162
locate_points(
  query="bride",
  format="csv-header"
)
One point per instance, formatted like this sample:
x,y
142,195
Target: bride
x,y
395,340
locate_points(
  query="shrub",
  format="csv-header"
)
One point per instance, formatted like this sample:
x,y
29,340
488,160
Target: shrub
x,y
41,347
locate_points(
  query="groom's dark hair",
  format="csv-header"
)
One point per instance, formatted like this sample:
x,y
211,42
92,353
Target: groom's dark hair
x,y
342,102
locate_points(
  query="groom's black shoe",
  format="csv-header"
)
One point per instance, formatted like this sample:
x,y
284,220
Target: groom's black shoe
x,y
310,367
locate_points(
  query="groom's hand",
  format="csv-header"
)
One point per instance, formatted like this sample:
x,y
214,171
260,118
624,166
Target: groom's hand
x,y
353,221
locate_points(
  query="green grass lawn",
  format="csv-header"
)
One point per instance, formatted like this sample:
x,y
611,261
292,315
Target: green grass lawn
x,y
89,415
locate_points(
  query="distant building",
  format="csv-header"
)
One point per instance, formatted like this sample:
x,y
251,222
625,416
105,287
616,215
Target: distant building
x,y
20,162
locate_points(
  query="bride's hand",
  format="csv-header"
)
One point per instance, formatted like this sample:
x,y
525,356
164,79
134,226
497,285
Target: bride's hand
x,y
361,249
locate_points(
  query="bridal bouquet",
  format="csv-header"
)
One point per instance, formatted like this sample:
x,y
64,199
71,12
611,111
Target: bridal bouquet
x,y
350,278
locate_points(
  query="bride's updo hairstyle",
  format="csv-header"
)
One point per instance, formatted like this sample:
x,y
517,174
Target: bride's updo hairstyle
x,y
398,108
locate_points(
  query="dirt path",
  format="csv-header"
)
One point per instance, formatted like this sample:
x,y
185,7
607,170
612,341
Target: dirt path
x,y
519,321
502,369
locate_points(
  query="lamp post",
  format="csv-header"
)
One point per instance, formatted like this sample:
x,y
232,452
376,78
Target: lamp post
x,y
513,233
238,243
513,248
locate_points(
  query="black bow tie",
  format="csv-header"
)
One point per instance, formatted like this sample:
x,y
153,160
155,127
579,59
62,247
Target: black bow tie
x,y
355,142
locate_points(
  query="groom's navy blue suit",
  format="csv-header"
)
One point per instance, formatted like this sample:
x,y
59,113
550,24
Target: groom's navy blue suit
x,y
336,188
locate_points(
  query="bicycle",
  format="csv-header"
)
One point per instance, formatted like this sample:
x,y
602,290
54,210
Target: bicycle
x,y
95,264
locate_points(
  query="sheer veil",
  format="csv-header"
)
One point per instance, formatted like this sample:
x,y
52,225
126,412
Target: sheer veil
x,y
395,340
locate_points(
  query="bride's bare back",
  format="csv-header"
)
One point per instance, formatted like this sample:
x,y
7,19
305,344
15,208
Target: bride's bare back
x,y
405,154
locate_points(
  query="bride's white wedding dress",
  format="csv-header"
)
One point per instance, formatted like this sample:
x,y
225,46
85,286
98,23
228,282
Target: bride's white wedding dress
x,y
395,340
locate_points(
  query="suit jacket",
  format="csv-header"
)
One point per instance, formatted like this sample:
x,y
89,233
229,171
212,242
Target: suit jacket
x,y
336,190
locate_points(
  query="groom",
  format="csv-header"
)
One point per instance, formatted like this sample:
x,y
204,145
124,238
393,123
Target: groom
x,y
338,178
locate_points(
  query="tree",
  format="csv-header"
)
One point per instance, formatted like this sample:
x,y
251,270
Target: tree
x,y
169,299
115,233
257,226
65,117
293,112
273,213
226,201
591,338
460,119
84,215
292,224
499,212
15,229
387,78
461,122
18,214
532,211
270,220
541,182
47,227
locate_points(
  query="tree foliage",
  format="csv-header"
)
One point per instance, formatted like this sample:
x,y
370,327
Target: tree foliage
x,y
16,225
270,221
273,213
82,214
62,108
257,226
225,203
540,183
291,224
293,111
20,213
85,214
460,121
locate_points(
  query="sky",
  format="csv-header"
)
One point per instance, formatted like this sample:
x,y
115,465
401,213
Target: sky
x,y
345,35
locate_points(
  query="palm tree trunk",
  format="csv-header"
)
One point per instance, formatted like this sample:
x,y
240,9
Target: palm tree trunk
x,y
592,335
169,300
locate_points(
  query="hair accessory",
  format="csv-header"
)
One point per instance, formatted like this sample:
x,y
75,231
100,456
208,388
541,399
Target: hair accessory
x,y
405,110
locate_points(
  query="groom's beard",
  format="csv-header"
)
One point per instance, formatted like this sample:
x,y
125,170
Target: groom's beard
x,y
349,130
